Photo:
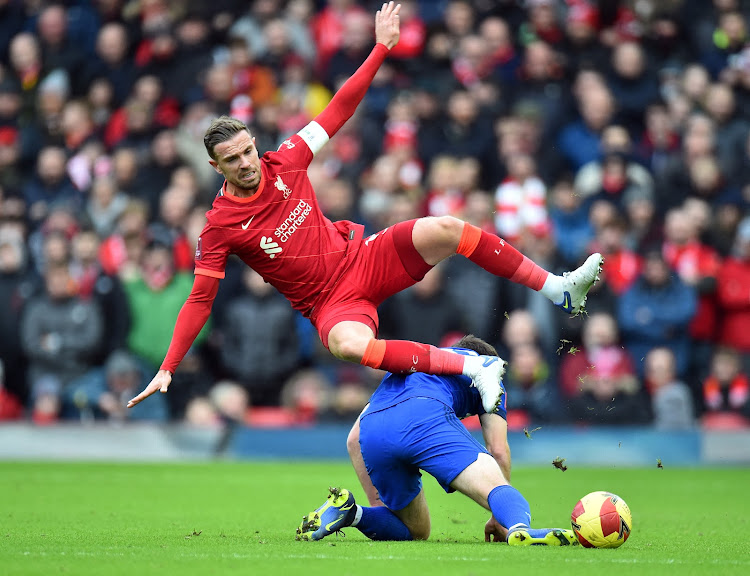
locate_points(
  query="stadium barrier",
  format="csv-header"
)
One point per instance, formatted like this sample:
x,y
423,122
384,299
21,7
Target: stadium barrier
x,y
146,442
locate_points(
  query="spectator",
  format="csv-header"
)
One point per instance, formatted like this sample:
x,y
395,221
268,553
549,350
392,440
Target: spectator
x,y
570,220
10,406
622,264
581,46
50,186
633,85
520,200
426,312
733,291
105,205
580,140
113,61
601,358
327,28
16,287
731,131
58,50
257,325
698,142
644,227
697,265
656,311
615,174
27,69
726,392
413,33
600,380
541,84
102,393
660,140
61,334
671,399
155,294
94,285
532,395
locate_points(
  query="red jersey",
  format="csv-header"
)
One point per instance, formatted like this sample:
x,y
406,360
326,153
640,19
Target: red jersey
x,y
280,231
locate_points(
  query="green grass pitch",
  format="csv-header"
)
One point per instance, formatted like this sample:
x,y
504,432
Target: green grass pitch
x,y
240,518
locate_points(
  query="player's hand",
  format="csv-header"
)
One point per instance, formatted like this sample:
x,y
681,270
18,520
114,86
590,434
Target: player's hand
x,y
387,25
161,382
494,529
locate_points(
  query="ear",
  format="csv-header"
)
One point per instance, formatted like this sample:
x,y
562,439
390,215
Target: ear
x,y
215,164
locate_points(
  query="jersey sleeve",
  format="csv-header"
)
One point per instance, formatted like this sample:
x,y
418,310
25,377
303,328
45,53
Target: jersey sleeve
x,y
211,252
295,152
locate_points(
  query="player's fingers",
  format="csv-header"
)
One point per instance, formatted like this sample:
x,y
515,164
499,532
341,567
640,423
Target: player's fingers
x,y
486,536
164,387
141,396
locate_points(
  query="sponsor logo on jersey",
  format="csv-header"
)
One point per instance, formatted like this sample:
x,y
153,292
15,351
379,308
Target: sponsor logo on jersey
x,y
269,246
293,221
288,144
281,187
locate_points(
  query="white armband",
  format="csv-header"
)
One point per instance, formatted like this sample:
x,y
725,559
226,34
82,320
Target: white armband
x,y
314,136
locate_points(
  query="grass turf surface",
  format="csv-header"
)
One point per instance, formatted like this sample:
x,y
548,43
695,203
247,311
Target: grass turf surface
x,y
240,518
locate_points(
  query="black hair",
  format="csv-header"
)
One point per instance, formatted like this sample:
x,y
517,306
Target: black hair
x,y
471,342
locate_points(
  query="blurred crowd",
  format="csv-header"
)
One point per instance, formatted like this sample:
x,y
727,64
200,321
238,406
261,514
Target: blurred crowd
x,y
565,126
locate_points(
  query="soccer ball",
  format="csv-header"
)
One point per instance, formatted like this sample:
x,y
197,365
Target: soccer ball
x,y
601,520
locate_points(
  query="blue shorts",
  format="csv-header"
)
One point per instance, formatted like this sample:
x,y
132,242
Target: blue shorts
x,y
419,433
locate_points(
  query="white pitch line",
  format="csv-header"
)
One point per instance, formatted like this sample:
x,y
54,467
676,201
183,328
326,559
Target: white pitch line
x,y
348,558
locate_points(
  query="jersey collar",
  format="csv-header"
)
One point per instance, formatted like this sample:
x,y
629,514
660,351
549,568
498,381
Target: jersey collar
x,y
229,196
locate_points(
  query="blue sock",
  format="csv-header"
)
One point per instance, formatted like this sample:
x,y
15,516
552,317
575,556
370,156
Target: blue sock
x,y
509,507
380,523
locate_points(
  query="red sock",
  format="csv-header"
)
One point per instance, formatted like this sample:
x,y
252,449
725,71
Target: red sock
x,y
500,258
402,357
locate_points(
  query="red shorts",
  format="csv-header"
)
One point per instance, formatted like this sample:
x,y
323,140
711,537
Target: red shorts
x,y
387,263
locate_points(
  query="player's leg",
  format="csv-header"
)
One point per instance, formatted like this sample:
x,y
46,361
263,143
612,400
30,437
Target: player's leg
x,y
484,482
415,515
355,455
356,342
400,483
437,238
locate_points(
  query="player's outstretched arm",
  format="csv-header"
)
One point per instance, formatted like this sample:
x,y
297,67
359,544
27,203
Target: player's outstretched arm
x,y
348,97
190,321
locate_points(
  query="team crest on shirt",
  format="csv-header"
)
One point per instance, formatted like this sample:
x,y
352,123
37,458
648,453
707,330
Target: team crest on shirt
x,y
281,187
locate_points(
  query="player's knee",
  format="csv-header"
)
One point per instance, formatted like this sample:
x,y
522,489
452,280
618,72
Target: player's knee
x,y
450,228
420,532
347,347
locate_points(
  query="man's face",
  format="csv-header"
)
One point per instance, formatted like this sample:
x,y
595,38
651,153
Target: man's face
x,y
237,160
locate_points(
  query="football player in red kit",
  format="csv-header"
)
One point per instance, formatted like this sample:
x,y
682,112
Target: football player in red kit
x,y
267,214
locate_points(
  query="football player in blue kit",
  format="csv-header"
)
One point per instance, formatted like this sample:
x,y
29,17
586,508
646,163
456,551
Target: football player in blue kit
x,y
412,423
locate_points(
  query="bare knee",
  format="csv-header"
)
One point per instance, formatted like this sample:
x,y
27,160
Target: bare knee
x,y
437,238
450,227
420,532
348,346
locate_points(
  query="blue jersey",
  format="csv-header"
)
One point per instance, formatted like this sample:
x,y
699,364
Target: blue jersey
x,y
455,391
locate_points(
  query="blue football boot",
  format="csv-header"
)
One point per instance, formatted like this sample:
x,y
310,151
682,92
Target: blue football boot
x,y
337,512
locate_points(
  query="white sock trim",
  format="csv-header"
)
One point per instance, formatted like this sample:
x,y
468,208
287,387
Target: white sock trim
x,y
357,516
519,525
